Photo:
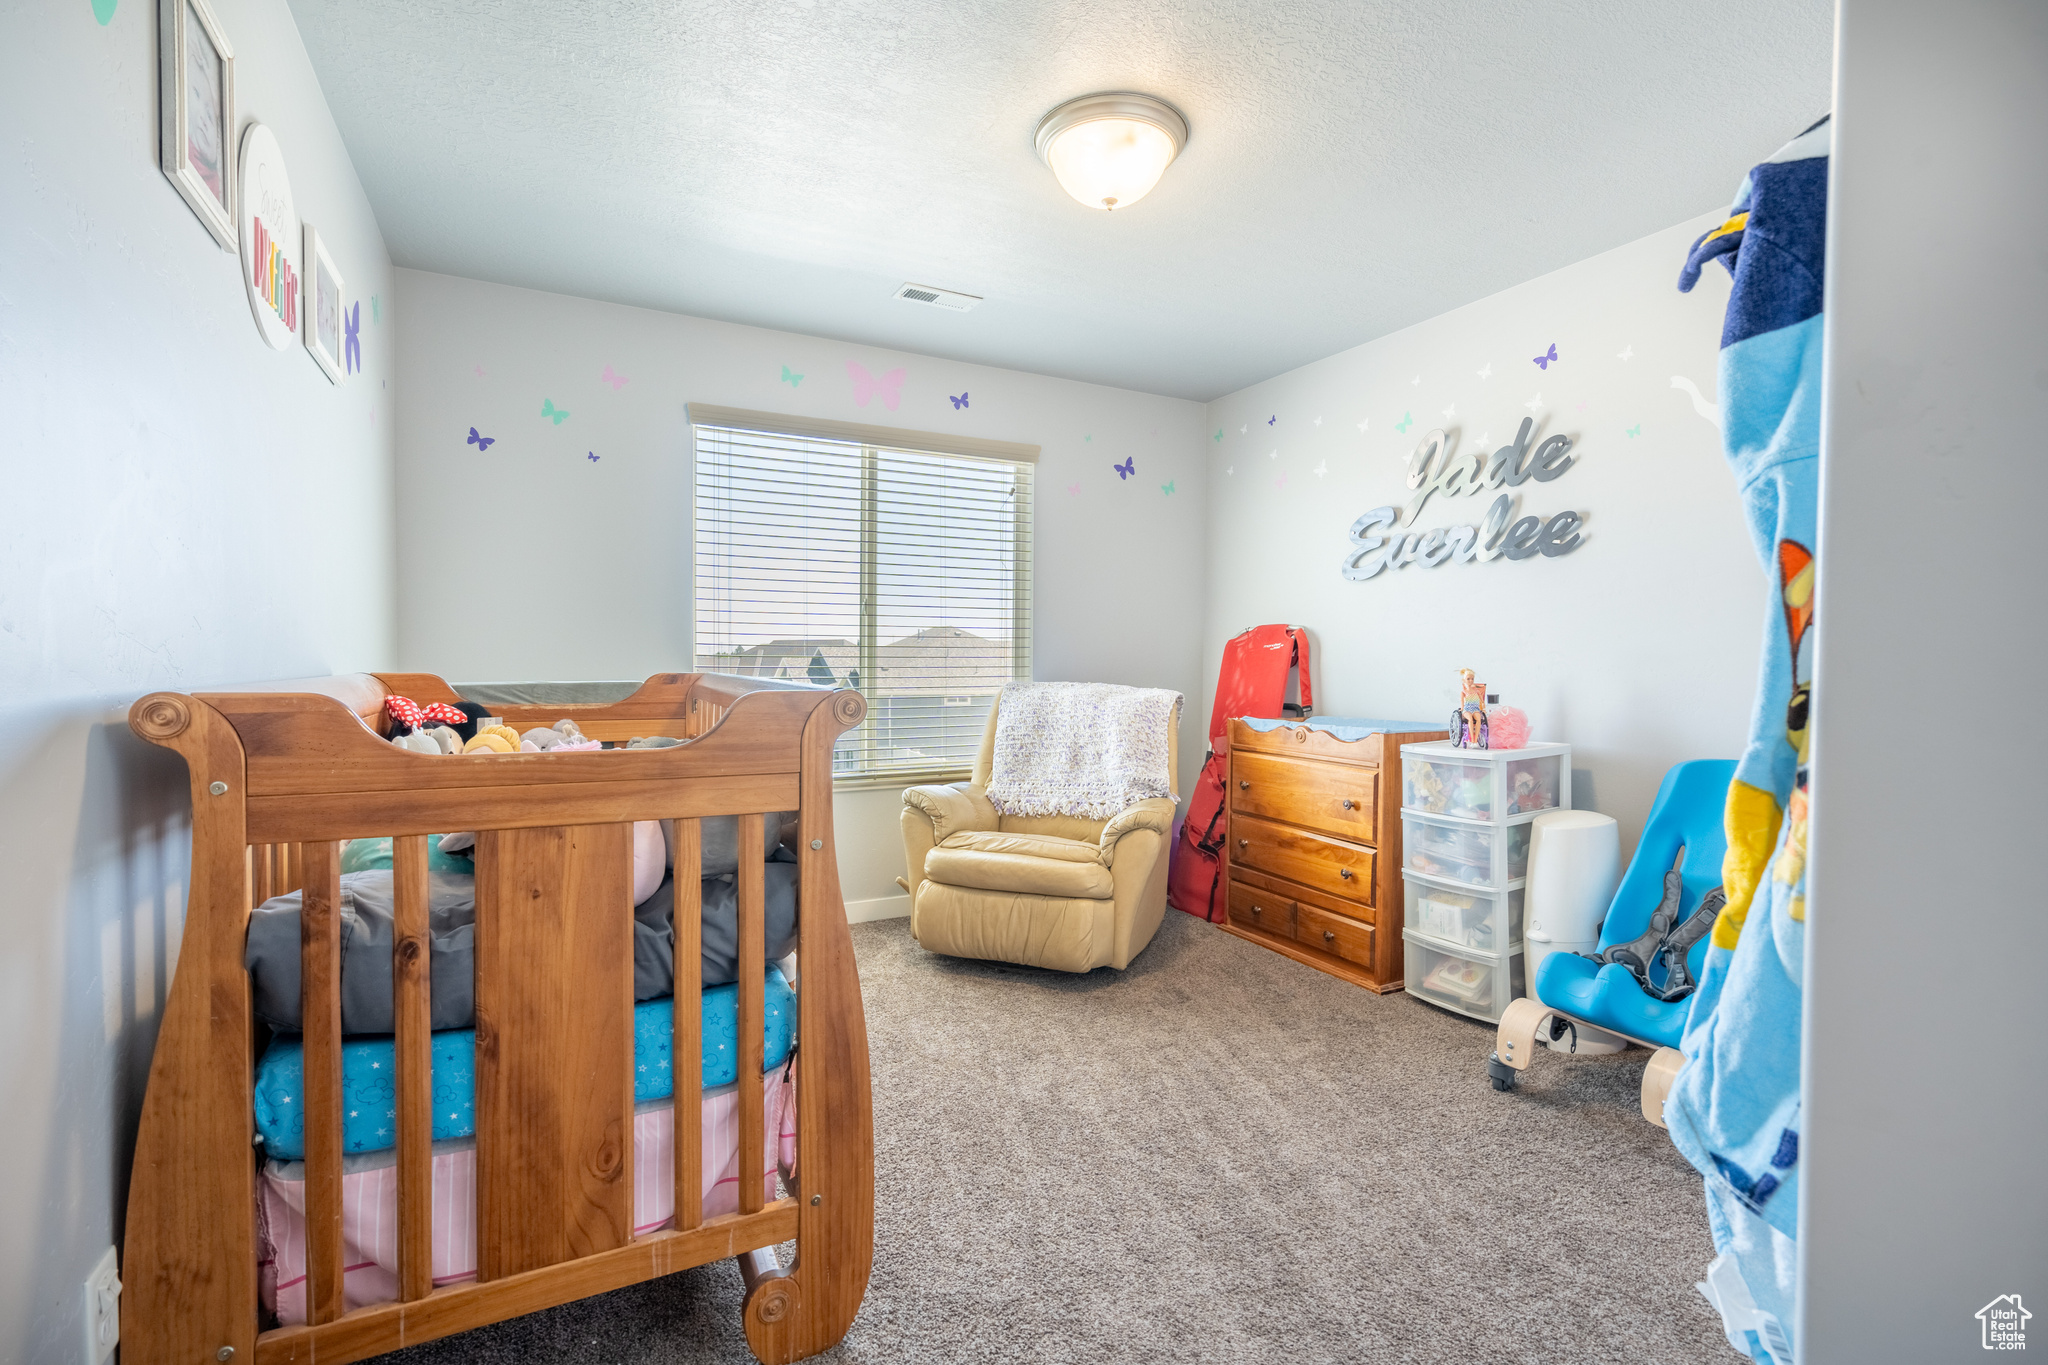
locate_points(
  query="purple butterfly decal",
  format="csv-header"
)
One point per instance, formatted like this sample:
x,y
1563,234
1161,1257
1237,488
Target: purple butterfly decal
x,y
480,442
1127,468
593,456
1543,362
959,401
866,386
352,349
1271,420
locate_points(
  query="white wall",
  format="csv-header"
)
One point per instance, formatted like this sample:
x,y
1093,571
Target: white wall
x,y
1639,648
532,561
185,506
1925,1193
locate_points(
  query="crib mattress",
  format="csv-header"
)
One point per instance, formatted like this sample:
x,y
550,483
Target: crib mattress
x,y
369,1200
369,1094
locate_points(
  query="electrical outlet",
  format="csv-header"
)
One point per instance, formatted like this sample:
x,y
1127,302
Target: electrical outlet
x,y
102,1310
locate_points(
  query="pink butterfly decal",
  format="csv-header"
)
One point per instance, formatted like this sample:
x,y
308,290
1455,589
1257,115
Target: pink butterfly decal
x,y
866,386
611,377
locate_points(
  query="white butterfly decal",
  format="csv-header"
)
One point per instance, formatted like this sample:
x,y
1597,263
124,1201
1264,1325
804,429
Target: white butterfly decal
x,y
1535,402
1487,372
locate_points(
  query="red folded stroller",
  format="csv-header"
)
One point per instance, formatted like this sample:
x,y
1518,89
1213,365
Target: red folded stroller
x,y
1252,682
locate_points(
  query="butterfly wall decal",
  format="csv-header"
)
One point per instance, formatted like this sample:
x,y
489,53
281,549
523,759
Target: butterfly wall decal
x,y
1075,489
1535,402
1219,433
1127,468
1636,430
1486,371
1272,419
866,386
352,346
1407,418
791,377
592,454
376,308
613,378
959,400
480,442
1547,359
1167,487
1626,353
548,409
1322,468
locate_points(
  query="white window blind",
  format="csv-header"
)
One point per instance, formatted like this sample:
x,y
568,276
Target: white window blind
x,y
902,573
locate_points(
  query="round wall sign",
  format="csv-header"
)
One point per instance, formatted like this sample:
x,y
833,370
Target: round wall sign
x,y
272,250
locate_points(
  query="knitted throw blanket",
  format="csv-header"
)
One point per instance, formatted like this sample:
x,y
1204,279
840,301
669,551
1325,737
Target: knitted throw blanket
x,y
1084,749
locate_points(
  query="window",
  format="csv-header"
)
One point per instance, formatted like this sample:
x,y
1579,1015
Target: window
x,y
897,563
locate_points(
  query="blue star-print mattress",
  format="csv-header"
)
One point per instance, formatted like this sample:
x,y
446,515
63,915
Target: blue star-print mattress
x,y
369,1098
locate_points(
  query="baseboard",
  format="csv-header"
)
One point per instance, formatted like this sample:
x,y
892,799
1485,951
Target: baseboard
x,y
881,907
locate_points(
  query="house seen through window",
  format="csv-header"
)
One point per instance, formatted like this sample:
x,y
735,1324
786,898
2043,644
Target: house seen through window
x,y
853,562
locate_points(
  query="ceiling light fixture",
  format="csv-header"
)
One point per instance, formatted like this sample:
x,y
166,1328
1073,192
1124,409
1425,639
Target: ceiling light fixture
x,y
1108,151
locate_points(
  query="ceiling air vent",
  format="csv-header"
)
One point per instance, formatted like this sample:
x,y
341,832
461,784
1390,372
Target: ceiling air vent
x,y
938,298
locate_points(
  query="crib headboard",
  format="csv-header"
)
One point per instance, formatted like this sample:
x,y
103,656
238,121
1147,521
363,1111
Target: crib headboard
x,y
280,775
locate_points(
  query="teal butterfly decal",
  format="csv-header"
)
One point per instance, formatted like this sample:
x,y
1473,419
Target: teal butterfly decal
x,y
548,409
790,377
1167,488
1219,433
1636,430
1407,418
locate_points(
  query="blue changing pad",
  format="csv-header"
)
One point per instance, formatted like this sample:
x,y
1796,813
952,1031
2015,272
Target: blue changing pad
x,y
1347,728
369,1096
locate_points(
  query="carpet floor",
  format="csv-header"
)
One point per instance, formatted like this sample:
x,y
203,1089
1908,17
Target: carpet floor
x,y
1218,1155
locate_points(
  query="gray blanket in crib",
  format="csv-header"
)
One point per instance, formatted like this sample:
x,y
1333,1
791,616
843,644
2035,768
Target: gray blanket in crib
x,y
272,947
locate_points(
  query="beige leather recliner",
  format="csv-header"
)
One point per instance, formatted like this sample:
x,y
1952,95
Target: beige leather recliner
x,y
1052,891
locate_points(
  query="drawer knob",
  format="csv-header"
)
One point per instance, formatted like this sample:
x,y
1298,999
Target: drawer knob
x,y
1345,873
1244,843
1243,785
1255,912
1329,937
1349,804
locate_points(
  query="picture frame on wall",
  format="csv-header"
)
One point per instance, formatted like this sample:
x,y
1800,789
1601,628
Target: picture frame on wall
x,y
196,89
321,307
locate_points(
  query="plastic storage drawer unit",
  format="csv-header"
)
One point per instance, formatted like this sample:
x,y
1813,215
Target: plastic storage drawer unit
x,y
1463,916
1473,784
1484,855
1469,982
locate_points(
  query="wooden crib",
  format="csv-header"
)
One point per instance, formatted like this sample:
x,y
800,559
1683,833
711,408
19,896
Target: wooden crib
x,y
279,778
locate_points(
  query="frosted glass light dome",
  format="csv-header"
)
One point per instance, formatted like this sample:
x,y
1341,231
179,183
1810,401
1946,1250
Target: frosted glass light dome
x,y
1108,151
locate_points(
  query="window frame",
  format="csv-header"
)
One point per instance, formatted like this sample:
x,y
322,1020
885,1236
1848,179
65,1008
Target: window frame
x,y
871,439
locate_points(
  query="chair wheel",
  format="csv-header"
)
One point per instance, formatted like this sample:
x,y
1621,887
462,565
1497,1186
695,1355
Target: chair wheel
x,y
1499,1072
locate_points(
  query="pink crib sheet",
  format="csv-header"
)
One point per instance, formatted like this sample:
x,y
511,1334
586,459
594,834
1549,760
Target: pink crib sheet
x,y
369,1200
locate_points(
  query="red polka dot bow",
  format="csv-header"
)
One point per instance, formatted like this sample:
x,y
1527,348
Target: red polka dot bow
x,y
408,712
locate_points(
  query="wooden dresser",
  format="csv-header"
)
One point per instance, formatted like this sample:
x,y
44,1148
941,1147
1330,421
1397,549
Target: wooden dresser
x,y
1313,855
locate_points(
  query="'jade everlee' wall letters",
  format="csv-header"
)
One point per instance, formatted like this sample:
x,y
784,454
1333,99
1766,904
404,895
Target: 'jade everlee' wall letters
x,y
1376,543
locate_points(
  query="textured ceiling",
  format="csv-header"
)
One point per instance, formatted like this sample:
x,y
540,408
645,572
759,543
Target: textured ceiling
x,y
1352,167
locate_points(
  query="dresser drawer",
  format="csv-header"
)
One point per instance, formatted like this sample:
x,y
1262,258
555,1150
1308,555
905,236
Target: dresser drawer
x,y
1334,934
1315,860
1251,908
1337,798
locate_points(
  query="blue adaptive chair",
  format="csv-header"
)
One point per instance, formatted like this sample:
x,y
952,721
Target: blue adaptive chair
x,y
1652,943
